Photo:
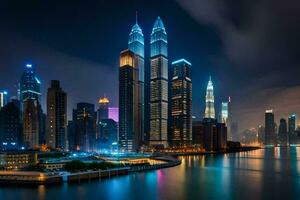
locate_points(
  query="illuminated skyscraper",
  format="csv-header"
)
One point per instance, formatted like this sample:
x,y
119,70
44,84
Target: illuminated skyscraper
x,y
136,45
158,85
209,101
181,103
129,117
29,85
292,129
102,113
56,117
269,128
3,98
224,113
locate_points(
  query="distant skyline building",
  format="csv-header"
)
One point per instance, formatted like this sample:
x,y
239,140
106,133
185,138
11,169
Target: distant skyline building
x,y
270,137
283,133
158,85
3,98
84,119
29,85
224,113
181,103
56,136
261,134
209,101
113,113
136,45
292,129
130,134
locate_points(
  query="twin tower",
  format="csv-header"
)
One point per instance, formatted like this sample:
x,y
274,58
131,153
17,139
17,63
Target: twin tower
x,y
133,121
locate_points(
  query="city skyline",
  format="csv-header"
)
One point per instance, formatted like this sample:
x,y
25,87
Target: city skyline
x,y
47,53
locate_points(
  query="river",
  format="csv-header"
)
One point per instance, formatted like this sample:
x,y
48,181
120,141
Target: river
x,y
272,173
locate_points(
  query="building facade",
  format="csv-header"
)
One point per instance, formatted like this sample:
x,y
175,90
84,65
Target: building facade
x,y
181,104
56,137
292,129
102,113
158,85
270,137
32,123
10,126
130,134
29,85
136,45
84,118
3,98
283,133
209,101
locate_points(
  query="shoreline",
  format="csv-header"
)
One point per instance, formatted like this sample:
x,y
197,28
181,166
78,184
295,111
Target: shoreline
x,y
37,178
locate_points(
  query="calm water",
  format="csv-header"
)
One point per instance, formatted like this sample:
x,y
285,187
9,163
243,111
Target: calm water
x,y
261,174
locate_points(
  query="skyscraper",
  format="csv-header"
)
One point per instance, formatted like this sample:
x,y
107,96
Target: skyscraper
x,y
3,98
130,134
32,127
102,113
84,118
113,113
269,128
56,116
136,45
224,113
10,126
282,132
181,103
209,101
292,129
158,85
29,85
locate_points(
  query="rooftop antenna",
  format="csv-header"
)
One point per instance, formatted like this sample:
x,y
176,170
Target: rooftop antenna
x,y
136,17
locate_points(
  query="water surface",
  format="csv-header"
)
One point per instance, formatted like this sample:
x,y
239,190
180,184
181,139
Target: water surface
x,y
272,173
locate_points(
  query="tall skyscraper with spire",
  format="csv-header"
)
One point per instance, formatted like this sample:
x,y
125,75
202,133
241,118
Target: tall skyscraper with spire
x,y
209,101
136,45
158,84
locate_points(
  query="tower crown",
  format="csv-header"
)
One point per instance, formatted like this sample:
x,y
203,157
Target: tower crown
x,y
158,25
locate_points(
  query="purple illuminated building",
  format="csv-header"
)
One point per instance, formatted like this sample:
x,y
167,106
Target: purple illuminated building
x,y
113,113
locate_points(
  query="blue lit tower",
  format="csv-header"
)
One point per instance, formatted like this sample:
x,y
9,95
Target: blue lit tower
x,y
29,85
136,45
209,101
158,84
3,98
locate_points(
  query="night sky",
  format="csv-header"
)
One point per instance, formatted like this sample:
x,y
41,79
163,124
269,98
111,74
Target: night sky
x,y
249,47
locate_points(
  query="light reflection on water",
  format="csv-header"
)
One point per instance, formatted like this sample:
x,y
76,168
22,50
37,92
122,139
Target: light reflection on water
x,y
272,173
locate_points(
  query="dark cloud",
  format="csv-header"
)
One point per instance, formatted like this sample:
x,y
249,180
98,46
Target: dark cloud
x,y
260,41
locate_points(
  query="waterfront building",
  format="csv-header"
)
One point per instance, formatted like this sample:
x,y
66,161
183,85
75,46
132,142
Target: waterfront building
x,y
109,131
181,103
10,126
84,118
209,101
234,131
229,119
283,133
130,135
29,85
56,116
270,137
209,134
136,45
32,123
12,160
3,98
158,85
71,134
102,113
292,129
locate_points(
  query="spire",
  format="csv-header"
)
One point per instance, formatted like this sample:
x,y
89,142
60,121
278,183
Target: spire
x,y
136,17
209,100
209,77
